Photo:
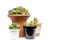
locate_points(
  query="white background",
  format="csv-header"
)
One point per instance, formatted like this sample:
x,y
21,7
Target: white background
x,y
47,11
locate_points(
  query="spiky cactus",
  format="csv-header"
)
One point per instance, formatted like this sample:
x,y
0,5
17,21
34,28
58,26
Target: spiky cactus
x,y
19,10
14,26
31,23
25,23
35,20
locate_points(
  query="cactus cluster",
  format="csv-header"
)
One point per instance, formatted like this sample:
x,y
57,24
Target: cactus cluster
x,y
35,20
32,23
14,26
19,10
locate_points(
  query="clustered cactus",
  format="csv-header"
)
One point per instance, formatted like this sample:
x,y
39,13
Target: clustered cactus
x,y
14,26
35,20
19,10
32,23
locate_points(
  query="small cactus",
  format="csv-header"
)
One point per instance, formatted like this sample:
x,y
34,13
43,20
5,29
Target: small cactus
x,y
35,19
25,23
14,26
32,23
35,22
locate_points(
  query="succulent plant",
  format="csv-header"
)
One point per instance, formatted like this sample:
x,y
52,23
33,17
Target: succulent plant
x,y
35,22
10,27
29,24
10,11
35,19
14,26
19,10
25,23
32,23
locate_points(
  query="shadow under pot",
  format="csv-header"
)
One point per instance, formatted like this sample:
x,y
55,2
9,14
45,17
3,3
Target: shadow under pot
x,y
29,32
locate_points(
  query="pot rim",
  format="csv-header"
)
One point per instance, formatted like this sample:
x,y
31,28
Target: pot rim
x,y
14,29
30,26
17,15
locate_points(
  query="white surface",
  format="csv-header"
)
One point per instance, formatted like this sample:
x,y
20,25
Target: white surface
x,y
48,12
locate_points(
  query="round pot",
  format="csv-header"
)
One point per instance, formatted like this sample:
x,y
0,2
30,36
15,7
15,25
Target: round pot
x,y
30,32
14,34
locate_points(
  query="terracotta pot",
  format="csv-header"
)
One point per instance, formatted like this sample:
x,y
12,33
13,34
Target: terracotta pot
x,y
19,19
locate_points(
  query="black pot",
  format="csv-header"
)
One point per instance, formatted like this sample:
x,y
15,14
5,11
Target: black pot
x,y
29,32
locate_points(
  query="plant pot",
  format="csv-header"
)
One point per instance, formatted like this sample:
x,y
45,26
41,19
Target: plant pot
x,y
38,29
30,32
19,19
14,34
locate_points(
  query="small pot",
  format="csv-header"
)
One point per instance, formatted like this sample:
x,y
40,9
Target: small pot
x,y
29,32
14,34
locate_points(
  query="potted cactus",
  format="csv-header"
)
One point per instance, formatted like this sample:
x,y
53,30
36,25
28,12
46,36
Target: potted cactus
x,y
30,30
19,15
14,30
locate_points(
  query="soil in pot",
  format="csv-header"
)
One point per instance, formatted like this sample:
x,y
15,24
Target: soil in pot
x,y
29,32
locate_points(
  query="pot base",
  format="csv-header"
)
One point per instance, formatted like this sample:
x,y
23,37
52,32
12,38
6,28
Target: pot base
x,y
30,32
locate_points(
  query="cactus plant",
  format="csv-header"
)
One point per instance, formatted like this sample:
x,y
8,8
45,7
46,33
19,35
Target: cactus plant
x,y
25,23
14,26
19,10
32,23
35,20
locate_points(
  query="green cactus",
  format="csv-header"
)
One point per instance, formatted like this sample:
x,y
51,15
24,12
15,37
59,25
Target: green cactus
x,y
14,26
35,22
14,11
35,19
25,23
10,11
31,23
19,10
10,27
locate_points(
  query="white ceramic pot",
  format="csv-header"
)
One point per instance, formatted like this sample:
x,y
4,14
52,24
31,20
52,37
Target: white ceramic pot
x,y
14,34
